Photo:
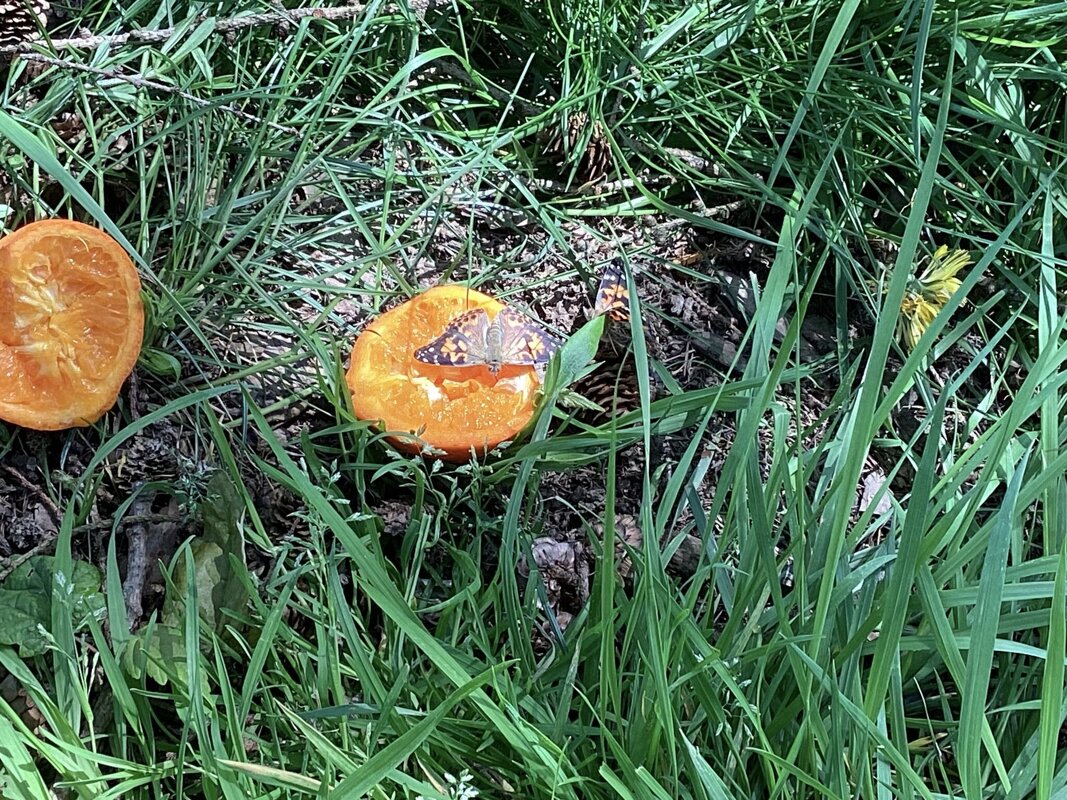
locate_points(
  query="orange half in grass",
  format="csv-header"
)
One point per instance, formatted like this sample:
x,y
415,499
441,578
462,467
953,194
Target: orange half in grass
x,y
71,322
453,409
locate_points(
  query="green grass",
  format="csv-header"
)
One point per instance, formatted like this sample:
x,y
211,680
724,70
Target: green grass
x,y
299,179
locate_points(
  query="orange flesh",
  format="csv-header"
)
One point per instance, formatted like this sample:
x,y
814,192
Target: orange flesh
x,y
459,407
71,322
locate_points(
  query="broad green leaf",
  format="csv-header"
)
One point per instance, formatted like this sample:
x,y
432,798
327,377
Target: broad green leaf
x,y
215,555
26,597
216,558
159,652
579,350
160,363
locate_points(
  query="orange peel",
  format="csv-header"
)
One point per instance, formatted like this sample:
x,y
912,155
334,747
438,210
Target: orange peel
x,y
71,323
455,410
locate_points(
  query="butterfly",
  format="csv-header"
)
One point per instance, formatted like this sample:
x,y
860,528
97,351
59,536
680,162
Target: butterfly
x,y
472,339
613,295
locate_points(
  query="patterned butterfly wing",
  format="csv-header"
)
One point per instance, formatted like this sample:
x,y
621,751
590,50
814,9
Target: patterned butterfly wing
x,y
463,343
613,295
523,341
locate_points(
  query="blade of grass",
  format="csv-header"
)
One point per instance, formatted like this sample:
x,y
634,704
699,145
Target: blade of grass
x,y
980,657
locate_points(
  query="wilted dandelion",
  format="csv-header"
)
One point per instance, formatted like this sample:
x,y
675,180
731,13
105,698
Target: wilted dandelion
x,y
916,314
928,294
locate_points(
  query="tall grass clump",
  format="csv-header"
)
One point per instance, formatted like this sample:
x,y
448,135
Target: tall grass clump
x,y
876,608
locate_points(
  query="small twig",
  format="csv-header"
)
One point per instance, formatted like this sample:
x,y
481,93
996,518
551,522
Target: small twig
x,y
600,189
135,396
136,561
140,82
35,490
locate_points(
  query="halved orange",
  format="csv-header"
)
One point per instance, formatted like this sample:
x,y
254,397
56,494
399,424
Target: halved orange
x,y
71,322
453,409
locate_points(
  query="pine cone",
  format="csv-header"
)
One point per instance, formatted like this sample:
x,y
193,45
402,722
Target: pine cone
x,y
613,387
21,20
153,454
564,569
595,161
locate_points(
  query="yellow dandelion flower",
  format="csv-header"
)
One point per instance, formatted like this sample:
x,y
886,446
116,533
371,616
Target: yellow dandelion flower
x,y
929,293
939,282
916,314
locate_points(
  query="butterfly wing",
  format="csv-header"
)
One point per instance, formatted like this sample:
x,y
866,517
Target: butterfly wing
x,y
523,341
613,295
463,343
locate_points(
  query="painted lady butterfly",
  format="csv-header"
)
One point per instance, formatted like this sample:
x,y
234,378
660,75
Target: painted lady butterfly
x,y
472,339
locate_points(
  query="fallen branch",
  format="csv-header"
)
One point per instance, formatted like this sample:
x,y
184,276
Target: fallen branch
x,y
223,26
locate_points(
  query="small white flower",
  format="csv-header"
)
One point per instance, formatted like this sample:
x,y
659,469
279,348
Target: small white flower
x,y
458,788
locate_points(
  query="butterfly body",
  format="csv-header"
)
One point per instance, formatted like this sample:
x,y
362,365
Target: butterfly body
x,y
472,339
